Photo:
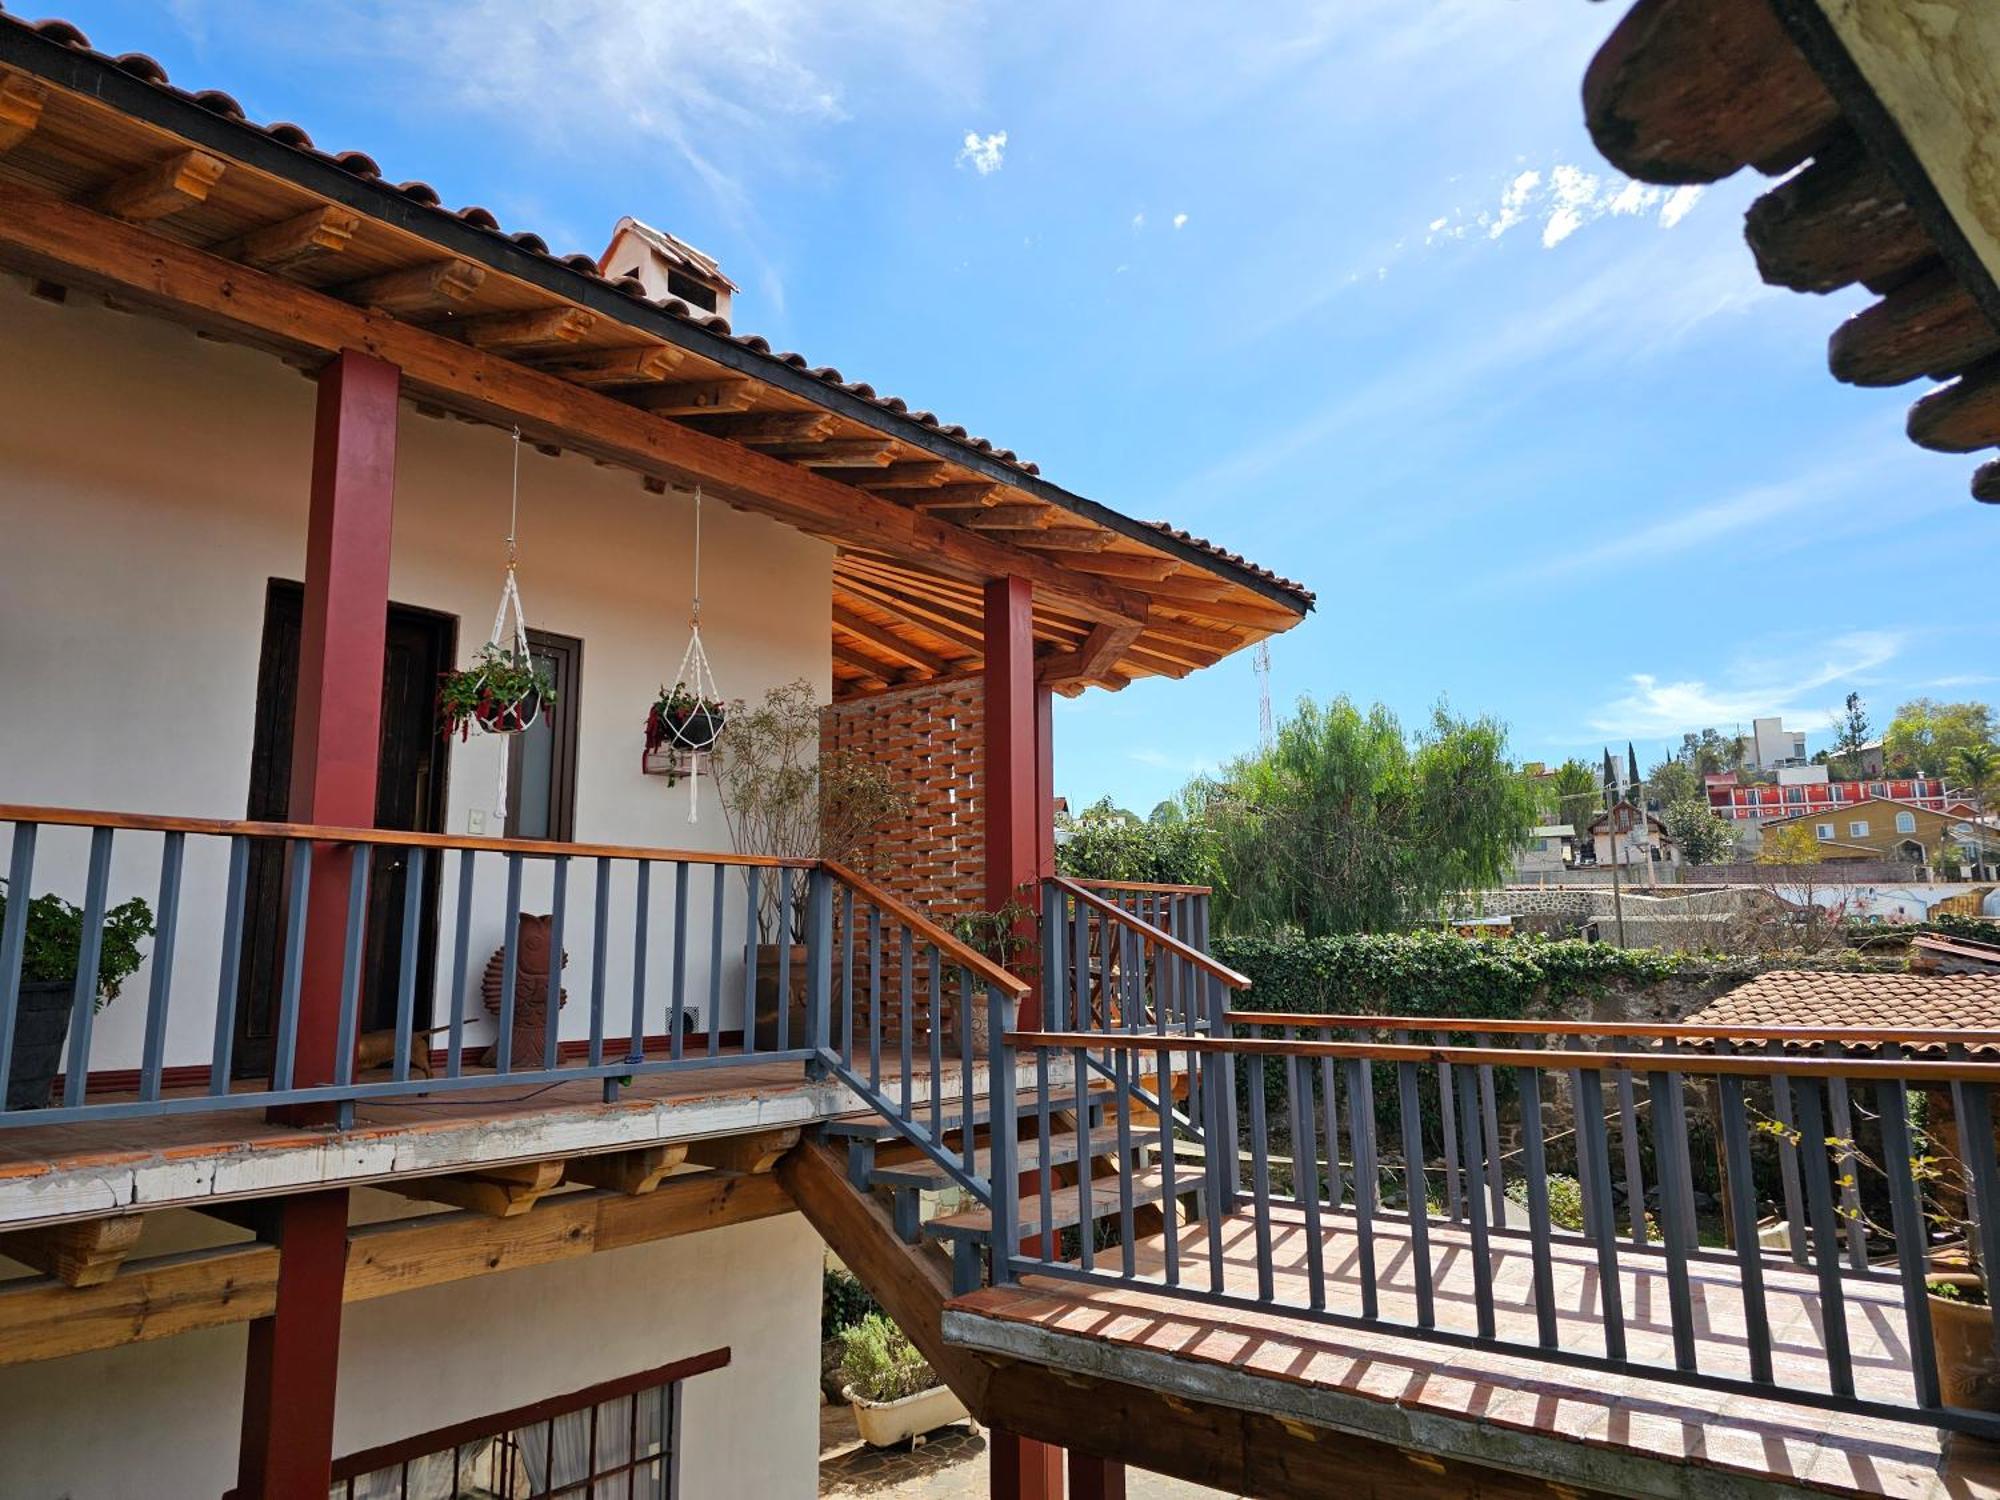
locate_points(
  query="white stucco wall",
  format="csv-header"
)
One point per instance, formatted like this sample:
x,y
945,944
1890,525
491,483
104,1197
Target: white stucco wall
x,y
163,1419
152,483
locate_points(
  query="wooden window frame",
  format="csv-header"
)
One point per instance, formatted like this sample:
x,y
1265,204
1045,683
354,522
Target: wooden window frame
x,y
368,1460
564,724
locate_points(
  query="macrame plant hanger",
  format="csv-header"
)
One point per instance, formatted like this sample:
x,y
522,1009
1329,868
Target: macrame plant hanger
x,y
516,639
695,676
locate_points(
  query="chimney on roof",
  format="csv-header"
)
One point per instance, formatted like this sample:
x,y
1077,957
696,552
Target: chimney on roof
x,y
668,267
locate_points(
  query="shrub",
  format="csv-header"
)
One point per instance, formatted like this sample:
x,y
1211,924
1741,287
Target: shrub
x,y
1565,1200
879,1363
843,1302
54,942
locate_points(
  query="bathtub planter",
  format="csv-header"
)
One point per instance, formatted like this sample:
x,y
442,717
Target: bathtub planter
x,y
883,1424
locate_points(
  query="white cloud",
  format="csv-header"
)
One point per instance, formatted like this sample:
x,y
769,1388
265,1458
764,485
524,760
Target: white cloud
x,y
1514,203
1679,201
1139,221
1654,708
1563,200
1180,221
983,153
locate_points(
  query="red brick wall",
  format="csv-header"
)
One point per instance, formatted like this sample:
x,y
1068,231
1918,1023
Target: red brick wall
x,y
930,737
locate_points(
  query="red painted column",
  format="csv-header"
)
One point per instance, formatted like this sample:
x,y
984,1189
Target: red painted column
x,y
293,1359
1020,1468
1011,789
1014,790
1094,1478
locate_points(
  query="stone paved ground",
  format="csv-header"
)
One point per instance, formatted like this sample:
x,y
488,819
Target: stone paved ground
x,y
950,1466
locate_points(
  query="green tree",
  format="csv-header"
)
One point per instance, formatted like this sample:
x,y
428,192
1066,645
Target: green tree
x,y
1672,781
1851,731
1926,735
1975,766
1348,825
1704,839
1570,793
1104,842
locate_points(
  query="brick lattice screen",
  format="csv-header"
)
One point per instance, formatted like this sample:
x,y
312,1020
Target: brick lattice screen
x,y
931,736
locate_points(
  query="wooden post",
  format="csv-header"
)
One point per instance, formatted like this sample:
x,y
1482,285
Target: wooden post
x,y
1022,1469
1014,792
292,1362
1094,1478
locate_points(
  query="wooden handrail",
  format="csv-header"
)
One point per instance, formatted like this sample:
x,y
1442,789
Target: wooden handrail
x,y
1140,885
1861,1069
943,939
70,817
1665,1030
1153,934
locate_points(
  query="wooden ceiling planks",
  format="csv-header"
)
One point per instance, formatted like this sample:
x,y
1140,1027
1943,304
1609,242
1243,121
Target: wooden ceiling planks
x,y
1692,91
74,145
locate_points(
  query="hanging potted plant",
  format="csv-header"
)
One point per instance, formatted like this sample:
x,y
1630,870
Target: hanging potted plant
x,y
684,720
54,939
503,692
782,796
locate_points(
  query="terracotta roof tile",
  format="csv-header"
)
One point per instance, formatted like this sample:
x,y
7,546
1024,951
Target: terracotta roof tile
x,y
149,71
1797,997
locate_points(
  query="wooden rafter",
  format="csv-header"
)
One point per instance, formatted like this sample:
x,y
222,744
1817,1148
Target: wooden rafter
x,y
309,236
889,674
905,474
759,428
1099,653
755,1154
1068,539
269,312
536,328
1150,566
500,1191
432,287
690,398
1020,515
21,103
959,494
629,364
835,453
637,1171
166,187
888,640
87,1253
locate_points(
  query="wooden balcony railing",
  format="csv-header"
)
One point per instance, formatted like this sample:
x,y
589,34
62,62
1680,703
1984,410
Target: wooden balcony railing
x,y
650,940
1403,1185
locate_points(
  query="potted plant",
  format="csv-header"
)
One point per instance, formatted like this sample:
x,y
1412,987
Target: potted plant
x,y
782,797
684,720
53,944
895,1394
503,692
1962,1332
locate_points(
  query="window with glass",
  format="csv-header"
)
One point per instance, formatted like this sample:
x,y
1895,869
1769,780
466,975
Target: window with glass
x,y
1906,822
1858,828
541,762
1826,832
616,1441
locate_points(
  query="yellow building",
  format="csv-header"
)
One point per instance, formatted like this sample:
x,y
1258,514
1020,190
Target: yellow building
x,y
1886,828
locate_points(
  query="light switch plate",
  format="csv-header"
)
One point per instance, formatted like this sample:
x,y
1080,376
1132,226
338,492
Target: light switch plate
x,y
475,821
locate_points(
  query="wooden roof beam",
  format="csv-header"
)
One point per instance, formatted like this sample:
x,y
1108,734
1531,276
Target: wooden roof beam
x,y
434,286
21,102
500,1192
909,474
166,187
1069,539
534,328
761,427
1927,326
871,667
1150,567
690,398
968,495
1100,652
85,1253
1694,90
1986,482
628,364
1023,515
47,235
835,453
1841,220
317,232
888,640
1962,417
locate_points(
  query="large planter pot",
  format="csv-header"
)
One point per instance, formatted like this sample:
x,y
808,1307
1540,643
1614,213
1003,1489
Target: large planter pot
x,y
769,964
883,1424
1963,1333
41,1026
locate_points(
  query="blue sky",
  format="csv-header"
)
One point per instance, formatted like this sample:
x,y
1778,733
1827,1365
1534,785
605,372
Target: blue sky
x,y
1344,286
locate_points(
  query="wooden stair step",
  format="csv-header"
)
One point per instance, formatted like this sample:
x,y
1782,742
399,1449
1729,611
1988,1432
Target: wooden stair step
x,y
924,1176
952,1115
1066,1205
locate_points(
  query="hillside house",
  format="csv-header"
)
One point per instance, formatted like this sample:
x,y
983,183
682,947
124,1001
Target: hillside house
x,y
1889,828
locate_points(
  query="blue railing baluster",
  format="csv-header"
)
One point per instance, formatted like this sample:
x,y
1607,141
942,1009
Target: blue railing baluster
x,y
160,990
642,917
1361,1138
1305,1176
847,975
1169,1200
1534,1159
600,953
1416,1189
510,965
751,929
1594,1149
360,867
1260,1176
875,997
785,918
221,1053
461,957
907,988
678,1003
1475,1201
1085,1162
934,967
406,969
819,970
1743,1219
558,924
13,944
718,900
294,965
83,997
1663,1091
968,1138
1122,1102
1002,1177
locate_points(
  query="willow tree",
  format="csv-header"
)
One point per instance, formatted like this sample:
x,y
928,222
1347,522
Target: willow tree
x,y
1347,824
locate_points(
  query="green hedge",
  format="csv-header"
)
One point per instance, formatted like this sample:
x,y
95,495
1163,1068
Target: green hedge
x,y
1437,973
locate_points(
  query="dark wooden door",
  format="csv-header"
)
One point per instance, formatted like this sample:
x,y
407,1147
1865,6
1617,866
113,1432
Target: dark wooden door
x,y
409,795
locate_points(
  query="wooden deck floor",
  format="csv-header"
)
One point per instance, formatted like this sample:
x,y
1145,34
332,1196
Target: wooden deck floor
x,y
1583,1427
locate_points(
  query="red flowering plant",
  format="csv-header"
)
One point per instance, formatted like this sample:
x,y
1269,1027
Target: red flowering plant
x,y
684,720
503,692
